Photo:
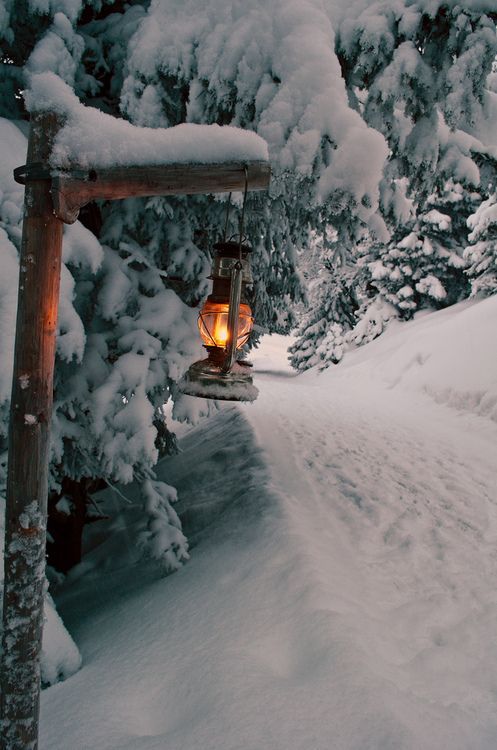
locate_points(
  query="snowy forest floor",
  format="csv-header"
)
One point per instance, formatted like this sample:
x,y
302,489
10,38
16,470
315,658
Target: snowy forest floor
x,y
341,592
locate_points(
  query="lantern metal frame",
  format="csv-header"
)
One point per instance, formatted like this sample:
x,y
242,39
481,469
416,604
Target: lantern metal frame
x,y
222,375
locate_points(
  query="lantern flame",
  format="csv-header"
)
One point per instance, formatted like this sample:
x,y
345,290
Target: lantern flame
x,y
213,324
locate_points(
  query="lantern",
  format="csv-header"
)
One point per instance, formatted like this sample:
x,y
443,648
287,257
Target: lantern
x,y
225,322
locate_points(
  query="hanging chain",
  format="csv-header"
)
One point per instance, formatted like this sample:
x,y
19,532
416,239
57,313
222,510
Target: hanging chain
x,y
235,292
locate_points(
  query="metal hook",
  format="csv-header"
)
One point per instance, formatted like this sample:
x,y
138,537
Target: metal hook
x,y
242,217
227,218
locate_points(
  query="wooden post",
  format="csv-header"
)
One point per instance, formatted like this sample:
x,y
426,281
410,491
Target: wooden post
x,y
27,478
49,201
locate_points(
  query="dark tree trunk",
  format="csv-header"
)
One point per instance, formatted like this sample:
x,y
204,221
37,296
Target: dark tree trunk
x,y
65,529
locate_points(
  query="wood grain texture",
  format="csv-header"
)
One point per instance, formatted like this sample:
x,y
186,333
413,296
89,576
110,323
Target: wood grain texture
x,y
73,190
27,477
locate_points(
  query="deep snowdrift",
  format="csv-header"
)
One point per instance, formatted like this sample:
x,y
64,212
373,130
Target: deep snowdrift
x,y
341,589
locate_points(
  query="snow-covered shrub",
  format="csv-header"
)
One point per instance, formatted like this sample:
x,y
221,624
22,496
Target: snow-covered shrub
x,y
163,540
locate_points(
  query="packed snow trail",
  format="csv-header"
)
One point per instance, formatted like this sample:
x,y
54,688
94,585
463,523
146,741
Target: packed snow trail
x,y
341,591
393,503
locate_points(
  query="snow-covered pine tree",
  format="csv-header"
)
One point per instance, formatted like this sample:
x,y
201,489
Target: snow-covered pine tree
x,y
127,328
417,72
270,67
331,304
111,379
481,254
422,266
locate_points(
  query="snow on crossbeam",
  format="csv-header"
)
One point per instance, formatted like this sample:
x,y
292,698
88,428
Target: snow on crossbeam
x,y
91,139
95,155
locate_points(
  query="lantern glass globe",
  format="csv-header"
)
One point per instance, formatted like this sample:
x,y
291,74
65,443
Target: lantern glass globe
x,y
213,324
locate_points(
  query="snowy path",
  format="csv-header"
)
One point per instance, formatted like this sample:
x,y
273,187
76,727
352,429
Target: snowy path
x,y
343,597
393,507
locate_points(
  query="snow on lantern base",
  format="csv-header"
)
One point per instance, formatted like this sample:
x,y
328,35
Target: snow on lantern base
x,y
206,380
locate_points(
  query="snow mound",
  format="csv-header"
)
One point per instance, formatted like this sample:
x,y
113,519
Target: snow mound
x,y
60,657
451,355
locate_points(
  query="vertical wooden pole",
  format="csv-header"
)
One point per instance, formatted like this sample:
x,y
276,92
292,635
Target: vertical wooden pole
x,y
27,478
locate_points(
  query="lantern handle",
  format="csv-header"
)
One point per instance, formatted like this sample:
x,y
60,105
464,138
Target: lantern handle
x,y
233,315
235,286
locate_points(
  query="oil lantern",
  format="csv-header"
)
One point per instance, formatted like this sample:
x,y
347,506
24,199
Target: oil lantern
x,y
225,322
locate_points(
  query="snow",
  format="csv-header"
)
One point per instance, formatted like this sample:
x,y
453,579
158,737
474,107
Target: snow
x,y
12,142
60,657
59,50
71,8
454,361
163,541
340,592
276,54
485,216
442,221
121,144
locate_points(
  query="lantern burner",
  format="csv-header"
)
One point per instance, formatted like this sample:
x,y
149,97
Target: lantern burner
x,y
205,379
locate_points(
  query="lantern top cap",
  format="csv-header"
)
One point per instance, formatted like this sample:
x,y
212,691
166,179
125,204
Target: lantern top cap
x,y
231,249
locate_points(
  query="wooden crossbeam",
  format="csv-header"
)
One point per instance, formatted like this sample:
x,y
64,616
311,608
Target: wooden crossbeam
x,y
72,190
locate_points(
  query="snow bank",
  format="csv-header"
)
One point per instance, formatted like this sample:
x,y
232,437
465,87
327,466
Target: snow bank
x,y
60,657
12,146
91,138
451,355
